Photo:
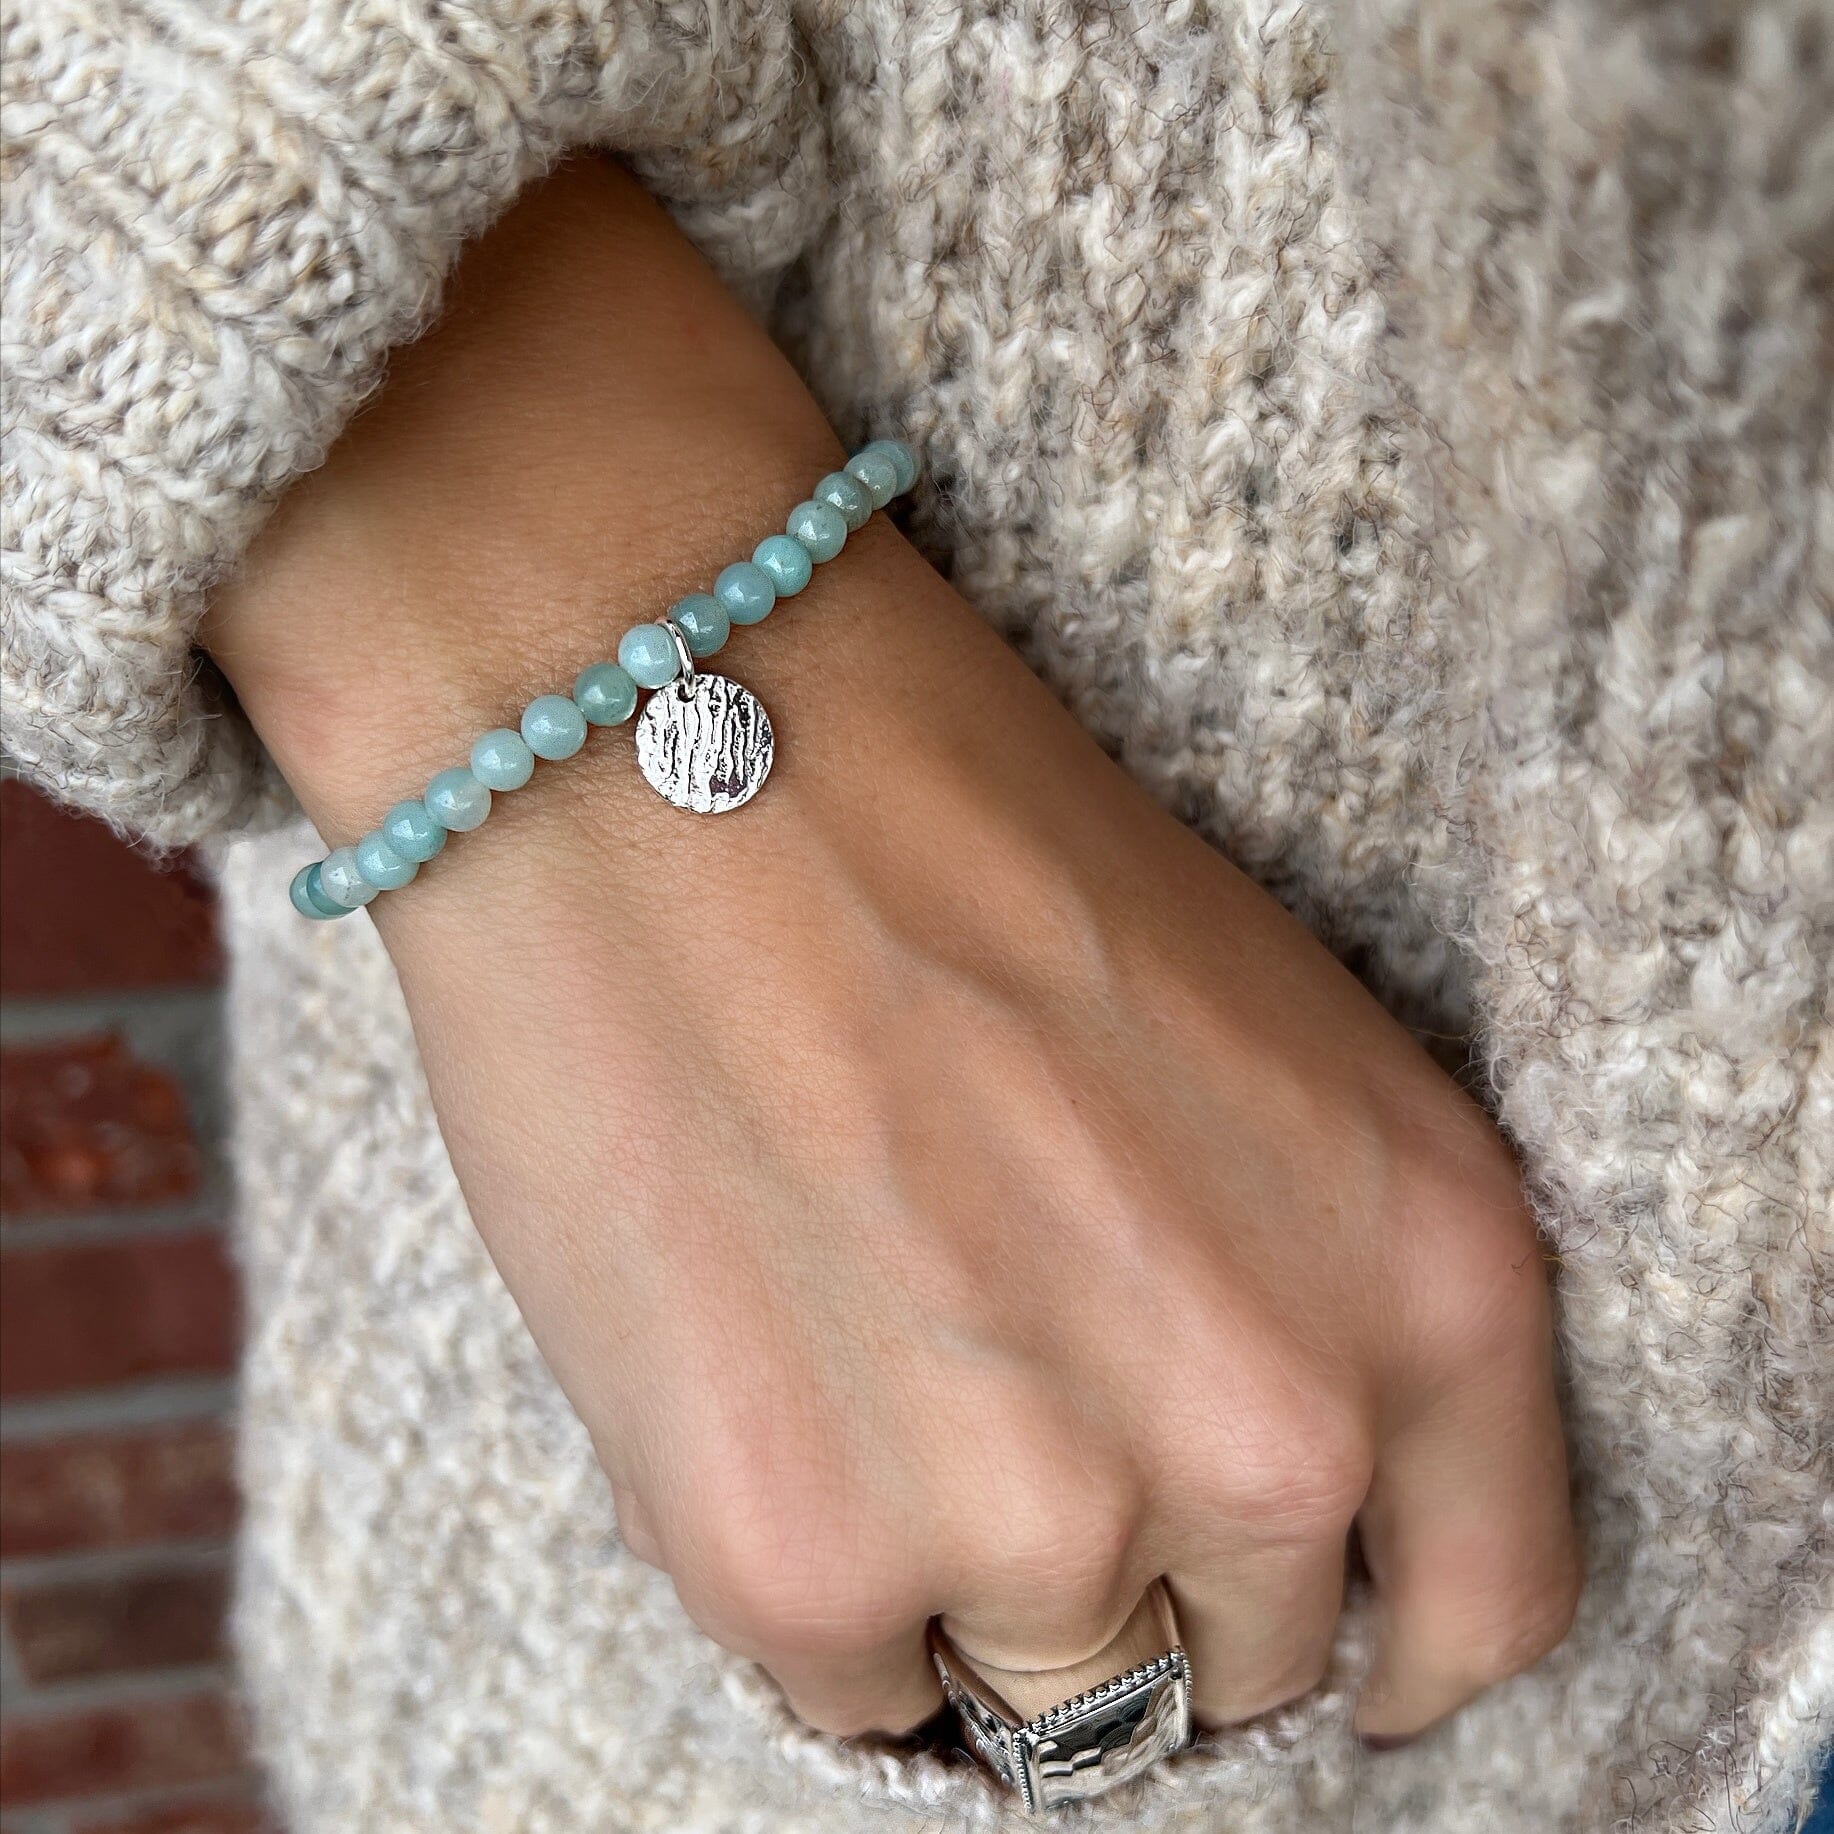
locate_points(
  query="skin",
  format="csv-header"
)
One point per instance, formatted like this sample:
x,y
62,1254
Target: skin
x,y
946,1187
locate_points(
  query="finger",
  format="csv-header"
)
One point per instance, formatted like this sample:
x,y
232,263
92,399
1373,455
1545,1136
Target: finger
x,y
1470,1540
1150,1630
1258,1627
635,1529
1052,1563
1040,1629
892,1687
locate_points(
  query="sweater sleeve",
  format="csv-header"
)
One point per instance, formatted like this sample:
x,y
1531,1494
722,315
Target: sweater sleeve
x,y
218,220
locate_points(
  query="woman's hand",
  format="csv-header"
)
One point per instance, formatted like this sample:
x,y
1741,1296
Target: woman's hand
x,y
946,1187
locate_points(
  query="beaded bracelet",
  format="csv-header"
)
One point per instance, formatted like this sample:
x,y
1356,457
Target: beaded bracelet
x,y
704,744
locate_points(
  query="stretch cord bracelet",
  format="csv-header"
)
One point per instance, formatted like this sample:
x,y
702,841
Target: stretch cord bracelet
x,y
703,742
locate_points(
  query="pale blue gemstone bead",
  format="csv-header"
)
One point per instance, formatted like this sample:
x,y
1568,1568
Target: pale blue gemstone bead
x,y
605,694
746,591
788,562
381,865
341,881
309,900
877,473
412,832
819,527
500,760
552,727
457,800
702,619
848,495
647,654
903,459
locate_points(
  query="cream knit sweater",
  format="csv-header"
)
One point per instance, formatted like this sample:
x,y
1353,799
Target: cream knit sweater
x,y
1400,433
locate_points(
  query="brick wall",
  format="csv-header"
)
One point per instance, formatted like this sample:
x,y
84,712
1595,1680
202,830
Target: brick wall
x,y
118,1327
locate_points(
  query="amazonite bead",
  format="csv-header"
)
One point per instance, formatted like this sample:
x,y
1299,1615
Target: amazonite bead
x,y
903,460
605,694
819,527
500,760
848,495
787,562
412,832
702,619
647,654
381,865
457,800
341,881
746,591
309,900
552,727
877,473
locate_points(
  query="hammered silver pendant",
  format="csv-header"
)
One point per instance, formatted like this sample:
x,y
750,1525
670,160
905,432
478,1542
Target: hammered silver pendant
x,y
704,743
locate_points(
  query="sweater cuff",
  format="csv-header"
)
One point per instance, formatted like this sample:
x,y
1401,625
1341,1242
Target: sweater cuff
x,y
217,223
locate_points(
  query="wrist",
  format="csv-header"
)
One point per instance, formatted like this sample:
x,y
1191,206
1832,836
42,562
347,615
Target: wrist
x,y
397,646
591,430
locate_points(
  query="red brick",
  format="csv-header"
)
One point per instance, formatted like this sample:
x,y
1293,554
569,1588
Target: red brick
x,y
68,1630
102,1490
92,1314
149,1744
84,1123
80,911
217,1817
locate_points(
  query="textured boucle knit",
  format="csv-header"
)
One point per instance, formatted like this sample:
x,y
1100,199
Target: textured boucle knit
x,y
1400,433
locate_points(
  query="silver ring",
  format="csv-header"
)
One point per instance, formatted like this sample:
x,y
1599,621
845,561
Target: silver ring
x,y
1082,1747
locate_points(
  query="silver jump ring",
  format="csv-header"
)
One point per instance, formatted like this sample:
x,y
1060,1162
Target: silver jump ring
x,y
686,677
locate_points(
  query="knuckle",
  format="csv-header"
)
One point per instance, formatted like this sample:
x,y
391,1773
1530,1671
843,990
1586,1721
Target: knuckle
x,y
1299,1474
1324,1481
1525,1628
1044,1517
768,1588
1068,1544
1481,1289
1053,1571
811,1623
1259,1691
1068,1554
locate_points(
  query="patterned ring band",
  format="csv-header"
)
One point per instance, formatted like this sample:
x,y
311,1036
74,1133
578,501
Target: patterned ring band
x,y
1086,1745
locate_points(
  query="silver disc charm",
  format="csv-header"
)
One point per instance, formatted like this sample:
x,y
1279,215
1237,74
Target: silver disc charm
x,y
704,743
